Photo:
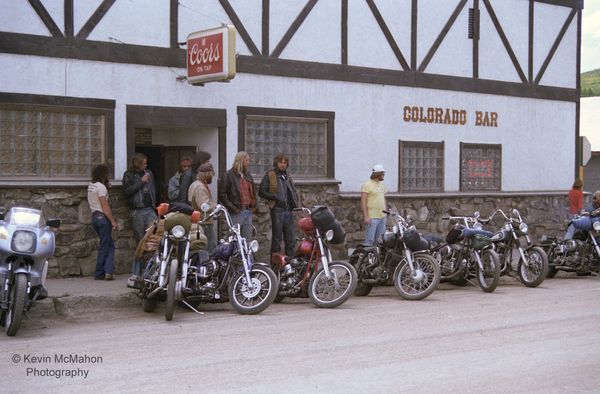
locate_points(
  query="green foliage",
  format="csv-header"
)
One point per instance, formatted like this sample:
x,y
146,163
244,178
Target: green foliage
x,y
590,83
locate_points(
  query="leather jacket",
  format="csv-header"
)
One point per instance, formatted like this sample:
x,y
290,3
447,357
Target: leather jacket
x,y
133,189
279,198
229,190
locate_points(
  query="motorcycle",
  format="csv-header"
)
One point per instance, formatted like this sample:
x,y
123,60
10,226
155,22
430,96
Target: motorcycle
x,y
468,252
581,254
403,252
514,247
26,244
311,271
184,271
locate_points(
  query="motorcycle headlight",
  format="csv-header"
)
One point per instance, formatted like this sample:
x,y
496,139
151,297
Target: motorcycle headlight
x,y
178,231
395,229
254,246
596,226
329,235
523,228
23,242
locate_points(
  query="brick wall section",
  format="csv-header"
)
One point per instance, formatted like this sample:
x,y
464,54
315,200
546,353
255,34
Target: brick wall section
x,y
77,243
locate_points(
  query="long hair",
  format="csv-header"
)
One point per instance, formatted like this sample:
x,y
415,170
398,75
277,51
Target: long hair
x,y
238,162
578,184
279,158
205,176
137,162
100,174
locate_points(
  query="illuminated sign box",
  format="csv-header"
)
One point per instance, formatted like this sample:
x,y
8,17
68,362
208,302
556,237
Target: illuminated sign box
x,y
211,55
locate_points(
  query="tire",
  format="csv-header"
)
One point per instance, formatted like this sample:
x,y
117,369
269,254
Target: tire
x,y
278,298
535,273
362,289
421,283
172,282
460,281
552,271
149,304
250,301
489,278
320,288
14,315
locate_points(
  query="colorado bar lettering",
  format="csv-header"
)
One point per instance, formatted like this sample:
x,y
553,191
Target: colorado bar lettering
x,y
448,116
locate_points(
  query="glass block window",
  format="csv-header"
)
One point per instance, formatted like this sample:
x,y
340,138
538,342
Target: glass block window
x,y
303,140
48,144
421,166
480,167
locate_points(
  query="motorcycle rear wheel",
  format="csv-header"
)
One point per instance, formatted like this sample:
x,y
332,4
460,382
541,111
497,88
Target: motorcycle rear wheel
x,y
250,300
14,315
172,281
422,282
362,289
324,293
490,276
534,274
552,271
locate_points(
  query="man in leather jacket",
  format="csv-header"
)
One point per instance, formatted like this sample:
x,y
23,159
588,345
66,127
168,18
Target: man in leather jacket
x,y
138,187
189,176
238,193
278,189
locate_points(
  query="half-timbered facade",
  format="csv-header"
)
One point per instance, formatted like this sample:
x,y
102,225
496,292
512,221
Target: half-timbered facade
x,y
451,96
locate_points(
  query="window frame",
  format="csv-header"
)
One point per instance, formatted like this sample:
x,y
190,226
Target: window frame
x,y
64,104
329,117
427,144
467,145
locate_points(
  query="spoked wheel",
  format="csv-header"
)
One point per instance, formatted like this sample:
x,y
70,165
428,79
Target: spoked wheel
x,y
332,292
533,272
151,273
172,281
418,283
258,295
14,315
489,277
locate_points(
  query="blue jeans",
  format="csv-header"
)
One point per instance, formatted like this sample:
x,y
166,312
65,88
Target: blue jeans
x,y
581,223
375,229
244,219
283,226
141,220
105,261
211,237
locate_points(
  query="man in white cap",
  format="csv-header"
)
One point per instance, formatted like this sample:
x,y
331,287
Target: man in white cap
x,y
372,203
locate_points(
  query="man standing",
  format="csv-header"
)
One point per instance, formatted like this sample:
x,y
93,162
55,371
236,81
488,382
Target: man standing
x,y
198,194
238,194
372,203
173,192
190,175
278,189
138,187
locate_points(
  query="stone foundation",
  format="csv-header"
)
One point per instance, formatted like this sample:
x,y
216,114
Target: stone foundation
x,y
77,243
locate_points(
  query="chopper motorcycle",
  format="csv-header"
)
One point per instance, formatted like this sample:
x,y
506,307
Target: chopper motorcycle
x,y
581,254
183,271
312,271
514,247
401,254
26,244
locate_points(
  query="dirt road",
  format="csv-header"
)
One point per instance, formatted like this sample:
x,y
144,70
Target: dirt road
x,y
458,340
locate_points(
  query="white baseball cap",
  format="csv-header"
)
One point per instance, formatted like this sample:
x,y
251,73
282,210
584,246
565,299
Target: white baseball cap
x,y
377,168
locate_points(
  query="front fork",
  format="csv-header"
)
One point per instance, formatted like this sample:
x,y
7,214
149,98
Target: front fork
x,y
325,259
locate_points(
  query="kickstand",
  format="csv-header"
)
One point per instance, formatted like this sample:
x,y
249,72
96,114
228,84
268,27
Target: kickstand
x,y
192,308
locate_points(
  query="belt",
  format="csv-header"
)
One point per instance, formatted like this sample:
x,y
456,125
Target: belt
x,y
245,207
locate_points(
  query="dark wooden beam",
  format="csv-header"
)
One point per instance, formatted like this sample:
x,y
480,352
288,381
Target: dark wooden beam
x,y
239,27
578,88
442,35
344,30
476,30
504,39
578,4
265,27
174,24
557,42
531,42
96,17
46,18
388,35
414,9
293,28
69,29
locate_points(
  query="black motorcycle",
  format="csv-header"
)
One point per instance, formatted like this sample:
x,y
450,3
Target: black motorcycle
x,y
467,253
401,254
581,254
516,251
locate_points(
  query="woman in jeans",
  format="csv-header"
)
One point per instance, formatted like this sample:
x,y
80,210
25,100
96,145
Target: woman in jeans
x,y
103,222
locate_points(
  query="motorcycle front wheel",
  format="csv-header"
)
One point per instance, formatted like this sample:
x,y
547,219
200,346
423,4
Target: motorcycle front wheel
x,y
420,283
14,315
256,297
172,281
151,273
489,277
332,292
534,273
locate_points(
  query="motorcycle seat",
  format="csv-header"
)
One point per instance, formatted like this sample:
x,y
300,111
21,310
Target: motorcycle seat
x,y
366,248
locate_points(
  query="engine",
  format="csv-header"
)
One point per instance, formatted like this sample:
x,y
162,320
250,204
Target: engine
x,y
292,272
205,279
